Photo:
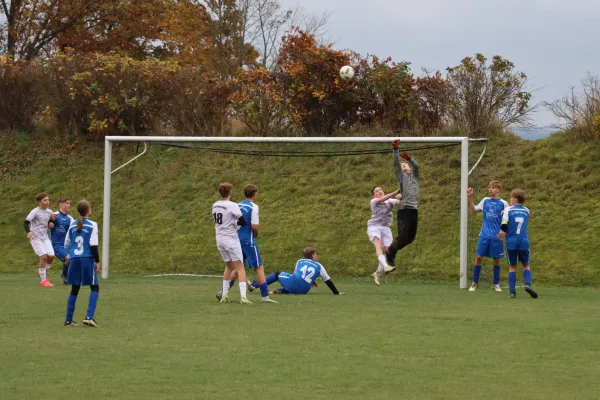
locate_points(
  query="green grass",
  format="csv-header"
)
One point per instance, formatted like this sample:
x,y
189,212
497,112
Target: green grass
x,y
161,205
168,338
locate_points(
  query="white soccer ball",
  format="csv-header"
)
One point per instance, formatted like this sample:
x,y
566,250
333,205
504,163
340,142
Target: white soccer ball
x,y
347,72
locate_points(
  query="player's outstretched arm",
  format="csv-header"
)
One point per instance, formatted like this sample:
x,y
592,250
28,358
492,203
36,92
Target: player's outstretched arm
x,y
397,168
325,276
416,169
471,202
387,196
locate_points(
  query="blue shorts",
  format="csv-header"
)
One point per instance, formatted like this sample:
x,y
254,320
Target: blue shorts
x,y
60,252
521,255
252,256
291,286
81,272
491,248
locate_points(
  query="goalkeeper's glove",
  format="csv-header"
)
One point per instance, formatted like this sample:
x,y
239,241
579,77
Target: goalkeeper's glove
x,y
405,156
395,144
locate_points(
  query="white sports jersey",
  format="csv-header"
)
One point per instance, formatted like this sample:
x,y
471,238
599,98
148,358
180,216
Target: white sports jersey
x,y
381,213
39,219
226,214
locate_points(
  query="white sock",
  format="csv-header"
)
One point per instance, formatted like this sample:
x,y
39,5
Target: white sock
x,y
243,289
225,288
48,266
42,274
382,263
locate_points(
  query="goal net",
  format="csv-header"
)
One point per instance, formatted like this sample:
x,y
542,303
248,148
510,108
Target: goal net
x,y
312,192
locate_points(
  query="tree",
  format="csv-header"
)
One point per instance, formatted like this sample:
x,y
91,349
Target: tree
x,y
579,113
320,102
483,96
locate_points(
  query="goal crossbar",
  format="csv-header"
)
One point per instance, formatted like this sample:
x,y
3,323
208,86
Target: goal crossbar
x,y
464,174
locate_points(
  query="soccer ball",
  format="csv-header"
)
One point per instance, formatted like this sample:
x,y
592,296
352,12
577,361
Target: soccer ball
x,y
347,72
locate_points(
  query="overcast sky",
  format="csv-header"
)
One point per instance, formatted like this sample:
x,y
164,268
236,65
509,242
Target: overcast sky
x,y
555,42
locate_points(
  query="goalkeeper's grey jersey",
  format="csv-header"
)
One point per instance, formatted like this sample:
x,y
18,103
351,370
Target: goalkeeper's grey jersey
x,y
408,183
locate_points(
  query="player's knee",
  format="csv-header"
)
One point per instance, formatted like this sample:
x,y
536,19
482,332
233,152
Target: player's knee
x,y
75,290
95,288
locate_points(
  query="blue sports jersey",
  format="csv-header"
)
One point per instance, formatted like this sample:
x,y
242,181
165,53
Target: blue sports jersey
x,y
517,219
307,271
79,243
492,216
61,227
250,213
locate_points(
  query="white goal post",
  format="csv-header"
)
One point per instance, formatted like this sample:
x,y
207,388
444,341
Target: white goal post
x,y
464,174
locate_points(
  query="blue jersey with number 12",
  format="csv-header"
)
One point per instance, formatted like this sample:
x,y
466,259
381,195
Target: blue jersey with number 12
x,y
517,219
307,271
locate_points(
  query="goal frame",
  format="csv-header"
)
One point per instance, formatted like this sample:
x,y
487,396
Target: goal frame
x,y
464,174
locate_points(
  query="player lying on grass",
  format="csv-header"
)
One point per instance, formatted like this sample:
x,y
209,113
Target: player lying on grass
x,y
308,269
378,227
489,245
515,222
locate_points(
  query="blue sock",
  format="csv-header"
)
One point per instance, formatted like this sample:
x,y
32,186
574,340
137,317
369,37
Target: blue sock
x,y
512,282
65,272
70,307
476,272
264,289
92,305
254,284
271,278
527,276
496,274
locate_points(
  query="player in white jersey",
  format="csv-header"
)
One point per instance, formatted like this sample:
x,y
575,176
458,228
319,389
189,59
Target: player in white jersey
x,y
227,216
378,227
36,226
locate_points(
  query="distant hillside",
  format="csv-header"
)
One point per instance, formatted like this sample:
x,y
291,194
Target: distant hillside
x,y
161,205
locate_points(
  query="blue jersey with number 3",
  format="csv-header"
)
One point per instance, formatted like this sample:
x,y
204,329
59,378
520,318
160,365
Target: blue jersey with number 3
x,y
79,243
307,271
517,219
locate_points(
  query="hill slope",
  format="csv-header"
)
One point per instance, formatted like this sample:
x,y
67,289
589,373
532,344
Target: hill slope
x,y
161,205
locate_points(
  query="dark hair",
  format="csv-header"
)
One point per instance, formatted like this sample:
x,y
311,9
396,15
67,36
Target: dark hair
x,y
373,189
519,195
496,184
63,200
309,252
225,189
250,190
83,208
41,196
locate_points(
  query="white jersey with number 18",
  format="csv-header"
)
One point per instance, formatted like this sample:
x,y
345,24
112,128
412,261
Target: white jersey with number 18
x,y
226,214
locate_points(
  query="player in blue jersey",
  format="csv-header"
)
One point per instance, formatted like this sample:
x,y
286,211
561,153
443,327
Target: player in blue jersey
x,y
247,235
515,222
82,242
307,270
489,245
61,221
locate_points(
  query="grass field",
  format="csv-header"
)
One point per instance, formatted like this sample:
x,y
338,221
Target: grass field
x,y
162,338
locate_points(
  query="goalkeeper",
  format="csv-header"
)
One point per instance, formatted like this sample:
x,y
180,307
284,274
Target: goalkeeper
x,y
407,174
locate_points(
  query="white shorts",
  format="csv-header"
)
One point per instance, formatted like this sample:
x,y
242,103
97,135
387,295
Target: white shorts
x,y
230,250
42,246
384,234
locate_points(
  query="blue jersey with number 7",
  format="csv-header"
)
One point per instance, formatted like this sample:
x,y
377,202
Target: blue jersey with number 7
x,y
517,220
